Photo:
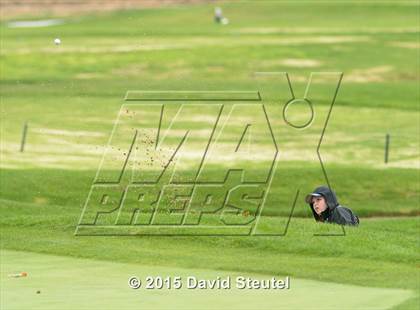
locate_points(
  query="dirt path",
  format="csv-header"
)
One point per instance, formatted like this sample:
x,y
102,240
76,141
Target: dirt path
x,y
11,9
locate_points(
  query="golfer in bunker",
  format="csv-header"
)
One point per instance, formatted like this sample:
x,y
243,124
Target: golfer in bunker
x,y
325,208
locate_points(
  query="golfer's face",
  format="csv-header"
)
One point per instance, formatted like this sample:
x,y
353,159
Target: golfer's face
x,y
319,204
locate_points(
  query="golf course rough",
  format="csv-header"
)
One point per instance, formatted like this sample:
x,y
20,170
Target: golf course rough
x,y
59,103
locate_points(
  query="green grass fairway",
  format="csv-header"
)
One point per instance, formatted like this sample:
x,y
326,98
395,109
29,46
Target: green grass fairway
x,y
70,94
69,283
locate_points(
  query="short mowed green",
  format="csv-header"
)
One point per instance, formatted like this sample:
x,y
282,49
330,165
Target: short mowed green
x,y
70,95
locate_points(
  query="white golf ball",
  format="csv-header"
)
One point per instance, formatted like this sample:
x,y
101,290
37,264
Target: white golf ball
x,y
225,21
57,41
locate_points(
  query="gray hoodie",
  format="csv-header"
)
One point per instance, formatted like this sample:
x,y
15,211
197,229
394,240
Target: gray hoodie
x,y
334,213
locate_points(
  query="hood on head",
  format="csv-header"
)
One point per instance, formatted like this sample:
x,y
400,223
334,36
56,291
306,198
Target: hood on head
x,y
329,197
